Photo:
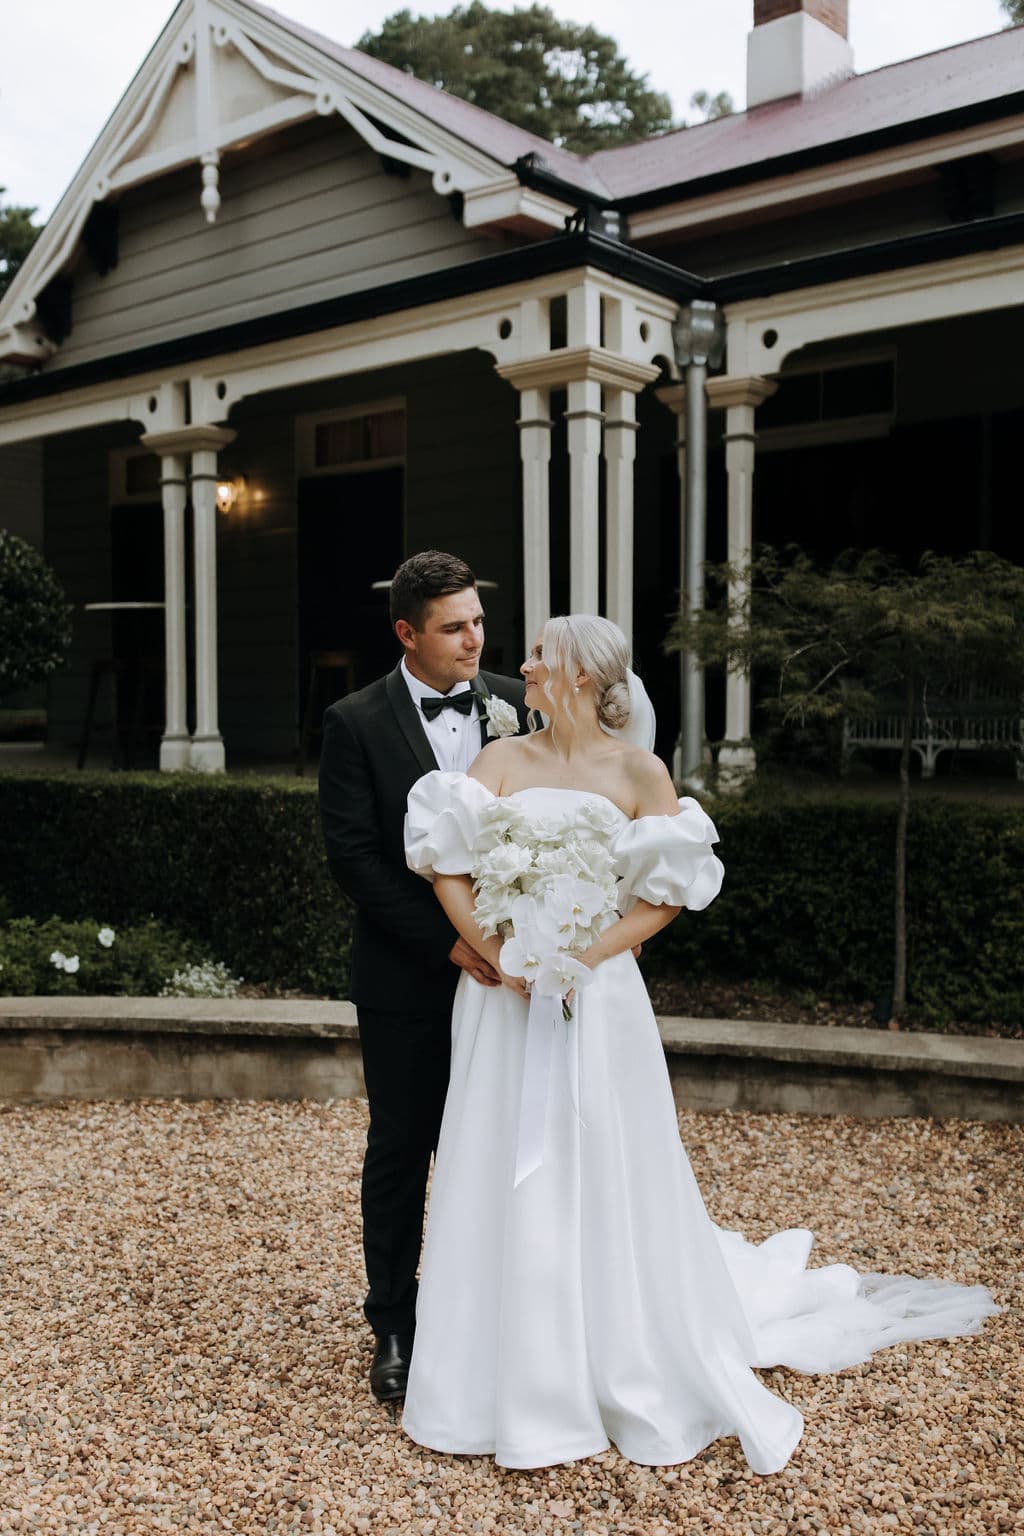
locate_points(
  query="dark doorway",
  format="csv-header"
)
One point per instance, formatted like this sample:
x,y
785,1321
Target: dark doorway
x,y
137,634
350,535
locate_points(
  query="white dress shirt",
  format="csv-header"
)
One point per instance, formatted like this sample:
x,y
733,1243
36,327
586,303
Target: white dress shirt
x,y
454,738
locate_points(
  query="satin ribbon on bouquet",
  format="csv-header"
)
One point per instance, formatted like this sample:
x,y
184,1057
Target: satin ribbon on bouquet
x,y
546,1018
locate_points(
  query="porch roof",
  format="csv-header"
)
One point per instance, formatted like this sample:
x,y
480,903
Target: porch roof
x,y
563,253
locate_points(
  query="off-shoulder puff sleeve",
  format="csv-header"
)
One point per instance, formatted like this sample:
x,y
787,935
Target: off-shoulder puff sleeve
x,y
441,823
668,860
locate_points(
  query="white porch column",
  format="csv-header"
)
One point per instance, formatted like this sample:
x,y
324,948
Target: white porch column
x,y
207,753
590,368
620,431
584,417
740,397
175,746
535,451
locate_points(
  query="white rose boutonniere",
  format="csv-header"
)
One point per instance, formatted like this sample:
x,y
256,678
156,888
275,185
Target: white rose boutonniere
x,y
502,719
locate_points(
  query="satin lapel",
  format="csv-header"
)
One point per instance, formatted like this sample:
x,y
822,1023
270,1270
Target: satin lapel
x,y
482,692
408,718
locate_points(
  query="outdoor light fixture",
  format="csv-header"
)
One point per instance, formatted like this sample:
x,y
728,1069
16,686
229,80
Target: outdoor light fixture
x,y
698,333
229,492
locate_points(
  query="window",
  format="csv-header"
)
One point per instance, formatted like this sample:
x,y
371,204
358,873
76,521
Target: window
x,y
830,402
366,437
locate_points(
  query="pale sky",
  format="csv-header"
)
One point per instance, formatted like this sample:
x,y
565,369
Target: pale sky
x,y
64,64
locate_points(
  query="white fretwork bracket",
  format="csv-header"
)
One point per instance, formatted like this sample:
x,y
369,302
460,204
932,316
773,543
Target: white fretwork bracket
x,y
222,74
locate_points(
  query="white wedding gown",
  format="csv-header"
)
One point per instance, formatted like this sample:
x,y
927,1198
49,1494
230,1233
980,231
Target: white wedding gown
x,y
597,1301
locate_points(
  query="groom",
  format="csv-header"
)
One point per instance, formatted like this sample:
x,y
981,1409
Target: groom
x,y
432,711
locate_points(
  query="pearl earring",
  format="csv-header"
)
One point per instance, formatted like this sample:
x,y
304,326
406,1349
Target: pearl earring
x,y
576,688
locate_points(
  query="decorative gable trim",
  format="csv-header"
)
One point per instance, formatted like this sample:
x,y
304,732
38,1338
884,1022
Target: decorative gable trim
x,y
220,75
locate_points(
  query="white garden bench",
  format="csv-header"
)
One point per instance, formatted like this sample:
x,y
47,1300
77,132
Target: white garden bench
x,y
979,721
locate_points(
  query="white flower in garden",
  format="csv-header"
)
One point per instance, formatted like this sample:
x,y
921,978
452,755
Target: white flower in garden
x,y
502,719
71,964
57,959
106,937
209,979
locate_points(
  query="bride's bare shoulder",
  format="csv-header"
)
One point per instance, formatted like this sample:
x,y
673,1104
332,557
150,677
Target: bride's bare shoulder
x,y
493,764
651,783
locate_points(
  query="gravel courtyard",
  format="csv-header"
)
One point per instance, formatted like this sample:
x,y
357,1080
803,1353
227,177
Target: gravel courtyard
x,y
183,1348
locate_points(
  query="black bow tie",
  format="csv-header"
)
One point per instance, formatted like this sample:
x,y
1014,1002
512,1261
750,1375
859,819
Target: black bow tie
x,y
463,702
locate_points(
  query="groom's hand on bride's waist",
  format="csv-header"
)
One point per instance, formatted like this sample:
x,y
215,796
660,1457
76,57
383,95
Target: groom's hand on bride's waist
x,y
466,958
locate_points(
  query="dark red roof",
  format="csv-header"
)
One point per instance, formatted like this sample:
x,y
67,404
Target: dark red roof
x,y
968,76
896,96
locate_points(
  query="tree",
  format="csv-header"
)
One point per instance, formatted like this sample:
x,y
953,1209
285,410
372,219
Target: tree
x,y
849,640
35,616
1015,10
710,106
17,236
565,82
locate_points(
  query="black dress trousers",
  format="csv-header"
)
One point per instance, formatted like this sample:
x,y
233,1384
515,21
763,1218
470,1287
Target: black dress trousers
x,y
406,1060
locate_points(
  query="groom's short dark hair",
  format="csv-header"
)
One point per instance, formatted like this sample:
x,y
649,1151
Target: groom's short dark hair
x,y
423,577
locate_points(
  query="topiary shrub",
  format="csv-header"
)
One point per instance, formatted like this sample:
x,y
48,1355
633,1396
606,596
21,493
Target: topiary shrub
x,y
35,616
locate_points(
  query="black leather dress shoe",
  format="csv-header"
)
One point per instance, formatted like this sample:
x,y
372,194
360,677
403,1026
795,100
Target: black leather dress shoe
x,y
389,1372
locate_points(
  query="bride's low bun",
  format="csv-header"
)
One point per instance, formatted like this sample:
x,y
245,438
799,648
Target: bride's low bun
x,y
613,710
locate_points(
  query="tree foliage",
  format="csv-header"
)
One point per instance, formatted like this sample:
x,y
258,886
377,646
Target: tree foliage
x,y
17,236
854,639
1015,10
565,82
35,617
710,107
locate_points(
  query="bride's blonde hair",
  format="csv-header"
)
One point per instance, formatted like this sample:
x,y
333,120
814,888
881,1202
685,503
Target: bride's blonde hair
x,y
585,642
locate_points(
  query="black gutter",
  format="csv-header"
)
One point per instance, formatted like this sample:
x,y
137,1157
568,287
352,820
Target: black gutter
x,y
559,254
865,260
533,174
540,259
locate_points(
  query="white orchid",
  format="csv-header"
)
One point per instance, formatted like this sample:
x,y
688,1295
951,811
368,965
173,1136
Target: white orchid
x,y
548,887
560,973
106,937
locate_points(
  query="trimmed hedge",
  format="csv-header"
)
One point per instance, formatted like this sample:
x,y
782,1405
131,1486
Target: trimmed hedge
x,y
238,866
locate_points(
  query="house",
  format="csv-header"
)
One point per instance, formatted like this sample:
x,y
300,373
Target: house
x,y
299,314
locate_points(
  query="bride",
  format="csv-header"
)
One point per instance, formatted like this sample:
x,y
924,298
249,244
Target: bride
x,y
574,1290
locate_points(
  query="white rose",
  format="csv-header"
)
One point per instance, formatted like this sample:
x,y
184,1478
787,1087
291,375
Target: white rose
x,y
502,719
57,959
71,964
506,863
106,937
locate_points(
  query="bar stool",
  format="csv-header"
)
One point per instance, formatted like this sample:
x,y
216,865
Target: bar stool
x,y
137,671
322,664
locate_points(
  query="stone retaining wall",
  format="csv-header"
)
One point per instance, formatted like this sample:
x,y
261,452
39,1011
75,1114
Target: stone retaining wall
x,y
127,1048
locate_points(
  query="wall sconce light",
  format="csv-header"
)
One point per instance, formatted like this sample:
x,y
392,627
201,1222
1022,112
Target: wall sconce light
x,y
229,492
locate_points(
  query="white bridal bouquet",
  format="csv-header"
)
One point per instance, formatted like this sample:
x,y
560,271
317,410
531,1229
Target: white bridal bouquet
x,y
548,887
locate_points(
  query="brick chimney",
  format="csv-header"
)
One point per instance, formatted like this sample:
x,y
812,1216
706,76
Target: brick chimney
x,y
797,48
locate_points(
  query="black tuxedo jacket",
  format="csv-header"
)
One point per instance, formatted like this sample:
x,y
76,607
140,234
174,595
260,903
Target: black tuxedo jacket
x,y
374,750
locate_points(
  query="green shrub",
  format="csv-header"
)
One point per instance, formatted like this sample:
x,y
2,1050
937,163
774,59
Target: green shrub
x,y
807,904
35,617
55,957
237,864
